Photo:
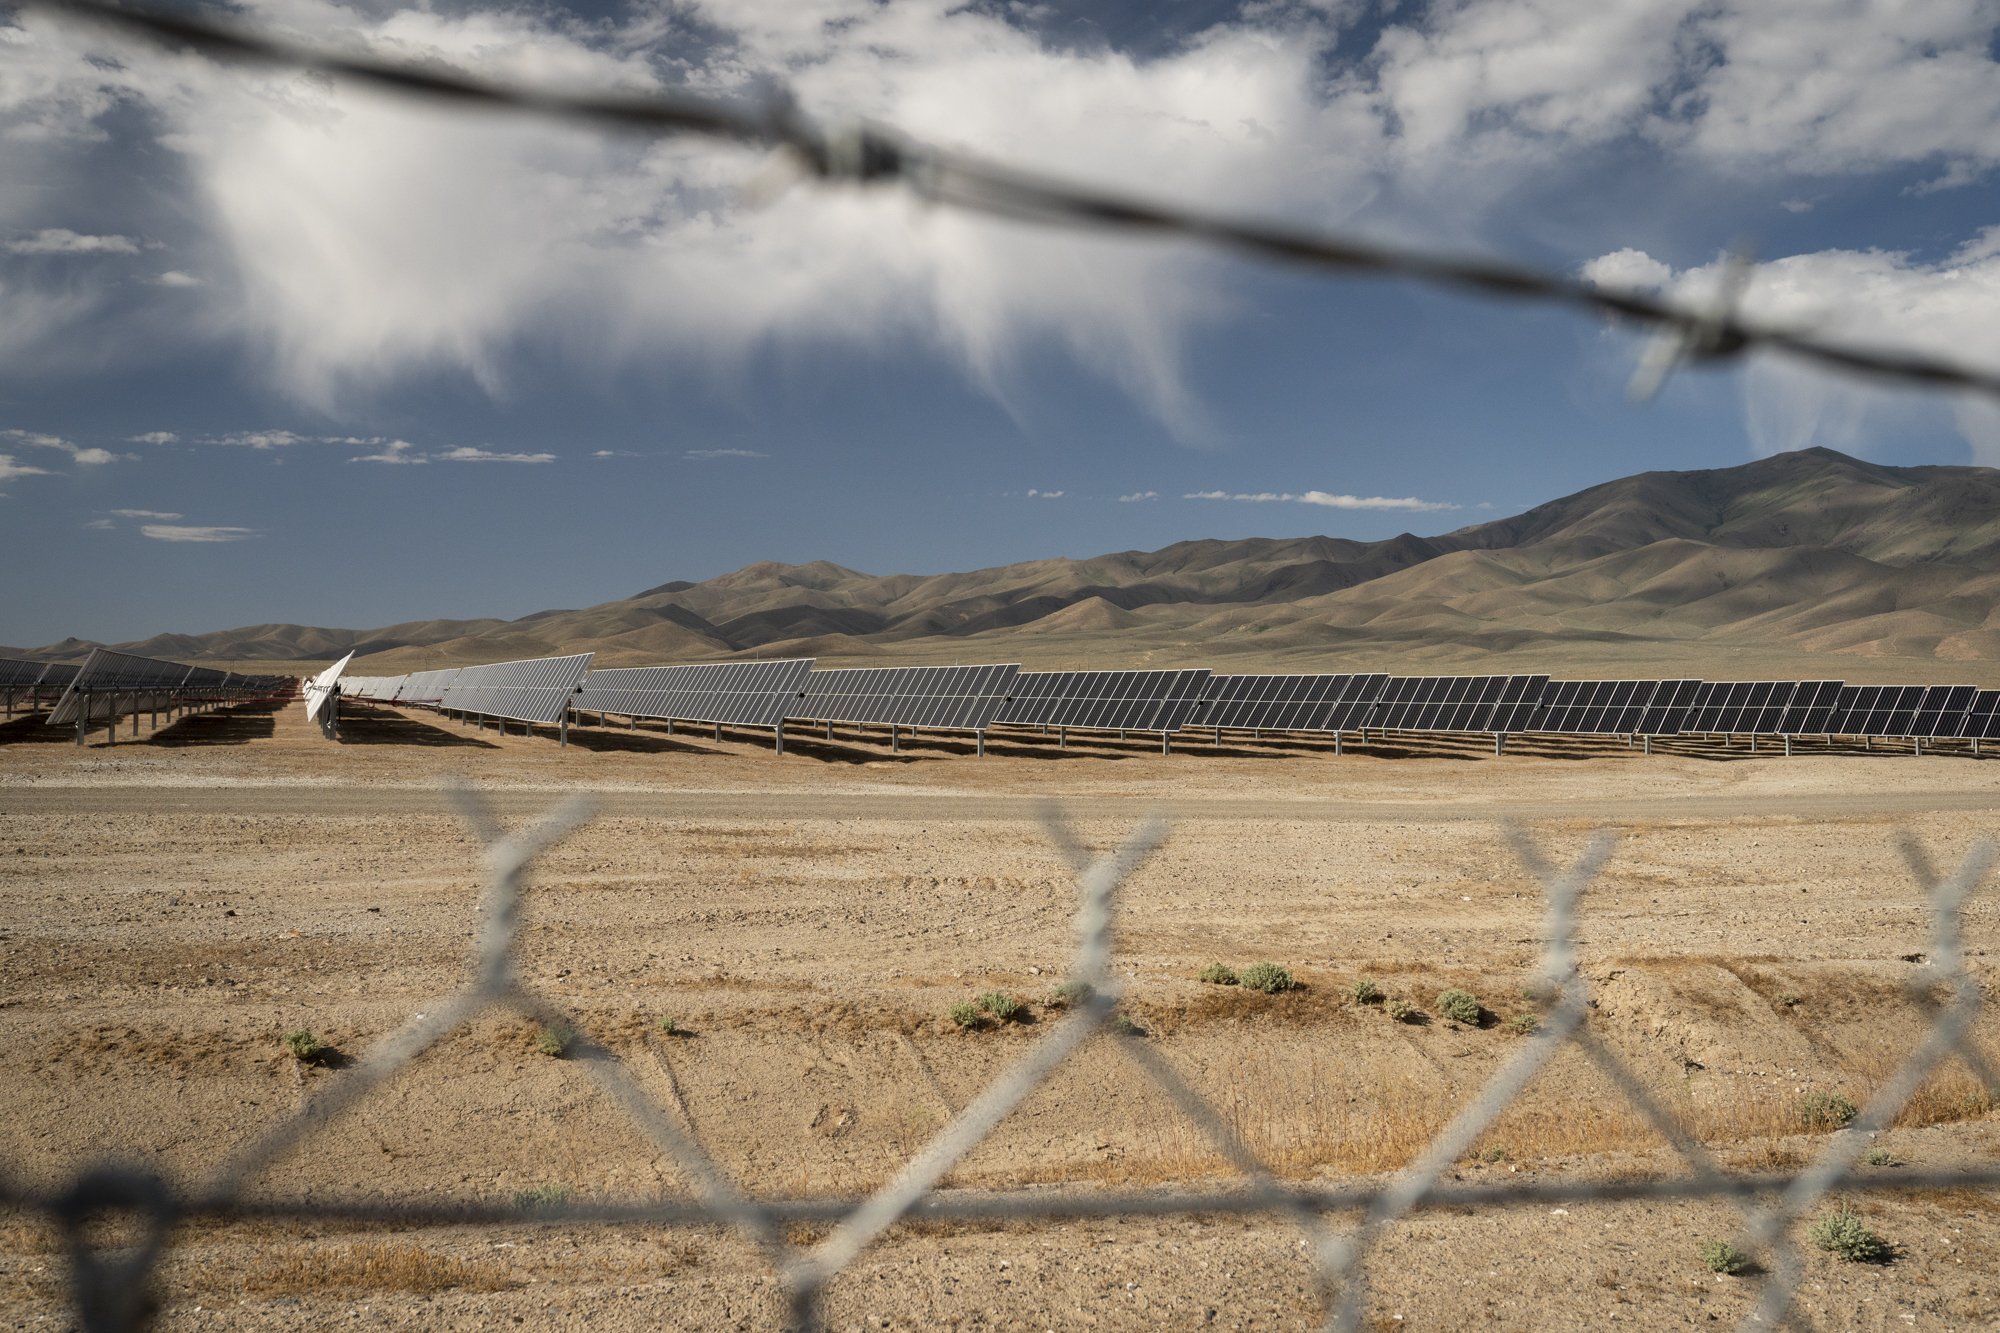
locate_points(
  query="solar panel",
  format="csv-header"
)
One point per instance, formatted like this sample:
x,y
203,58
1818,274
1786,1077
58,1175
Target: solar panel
x,y
93,693
1595,707
423,687
536,689
1272,703
1896,711
16,674
320,688
954,698
1812,704
1105,700
731,694
1942,710
1518,704
1439,703
1361,697
1666,713
57,676
1850,710
1982,719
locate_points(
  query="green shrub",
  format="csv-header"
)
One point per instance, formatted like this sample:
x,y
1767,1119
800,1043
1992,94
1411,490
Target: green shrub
x,y
1722,1257
1219,974
555,1041
1524,1024
1790,1001
1069,993
541,1198
1267,977
1880,1157
1003,1006
670,1028
1841,1232
1122,1024
1460,1007
1404,1012
1366,992
1825,1110
305,1047
967,1015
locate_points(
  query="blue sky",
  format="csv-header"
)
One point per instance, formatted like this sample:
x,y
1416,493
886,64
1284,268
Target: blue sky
x,y
277,351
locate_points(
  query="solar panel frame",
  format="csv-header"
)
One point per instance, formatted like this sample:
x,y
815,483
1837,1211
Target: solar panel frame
x,y
1982,718
1666,712
320,688
1251,702
1811,705
18,673
1519,704
1941,712
946,698
533,690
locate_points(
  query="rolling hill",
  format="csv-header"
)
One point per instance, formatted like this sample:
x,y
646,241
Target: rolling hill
x,y
1728,571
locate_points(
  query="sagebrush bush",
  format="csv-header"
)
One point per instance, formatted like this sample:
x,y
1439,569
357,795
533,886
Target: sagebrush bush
x,y
1459,1006
1003,1006
1068,993
1524,1024
1843,1233
1825,1110
539,1198
966,1014
670,1027
1722,1257
1267,977
1366,992
1880,1157
555,1041
1404,1012
1121,1024
1219,974
304,1046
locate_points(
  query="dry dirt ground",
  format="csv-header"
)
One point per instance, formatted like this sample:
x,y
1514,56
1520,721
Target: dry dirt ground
x,y
170,908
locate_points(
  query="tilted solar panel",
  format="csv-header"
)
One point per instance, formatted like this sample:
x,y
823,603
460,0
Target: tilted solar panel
x,y
1360,698
1518,704
954,698
57,676
1272,703
1850,709
1942,710
1896,712
1812,704
105,675
423,687
731,694
320,688
17,674
1595,707
1982,719
1105,700
1666,714
536,689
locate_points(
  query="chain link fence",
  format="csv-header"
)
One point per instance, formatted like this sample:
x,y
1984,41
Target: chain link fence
x,y
112,1288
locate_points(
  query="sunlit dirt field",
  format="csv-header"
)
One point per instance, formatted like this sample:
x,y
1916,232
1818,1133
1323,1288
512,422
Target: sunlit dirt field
x,y
171,907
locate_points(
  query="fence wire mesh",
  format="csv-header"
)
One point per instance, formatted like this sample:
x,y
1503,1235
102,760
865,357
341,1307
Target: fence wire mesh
x,y
867,154
113,1289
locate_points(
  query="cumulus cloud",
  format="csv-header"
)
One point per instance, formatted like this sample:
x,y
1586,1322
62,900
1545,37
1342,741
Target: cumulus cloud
x,y
1034,494
167,532
99,524
145,513
466,453
723,453
9,469
392,451
1137,496
1325,500
352,240
1949,307
154,437
84,456
63,241
260,439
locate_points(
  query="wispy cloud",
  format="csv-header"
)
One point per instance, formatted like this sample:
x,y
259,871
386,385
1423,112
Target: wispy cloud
x,y
175,278
154,437
145,513
392,451
1034,494
63,241
260,439
617,453
466,453
724,453
1325,499
86,456
1137,496
99,524
9,469
168,532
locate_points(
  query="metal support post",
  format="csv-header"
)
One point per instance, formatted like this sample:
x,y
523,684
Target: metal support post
x,y
1499,742
1753,744
1062,738
1918,742
670,726
1788,747
1165,742
135,718
778,734
1336,743
1218,735
895,738
718,732
82,718
979,738
1649,745
562,731
10,705
1975,747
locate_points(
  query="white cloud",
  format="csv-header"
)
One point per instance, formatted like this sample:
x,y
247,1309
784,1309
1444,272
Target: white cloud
x,y
723,453
392,451
175,278
163,532
99,524
96,457
63,241
1034,494
84,456
1137,496
620,453
154,437
261,439
1949,308
144,513
9,469
1325,499
1628,270
467,454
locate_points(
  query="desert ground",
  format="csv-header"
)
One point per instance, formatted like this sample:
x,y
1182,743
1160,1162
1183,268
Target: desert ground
x,y
170,908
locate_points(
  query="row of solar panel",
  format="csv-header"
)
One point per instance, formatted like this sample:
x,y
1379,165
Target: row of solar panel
x,y
16,674
972,698
109,685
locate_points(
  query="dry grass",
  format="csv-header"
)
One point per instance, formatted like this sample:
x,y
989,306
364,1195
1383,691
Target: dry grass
x,y
372,1266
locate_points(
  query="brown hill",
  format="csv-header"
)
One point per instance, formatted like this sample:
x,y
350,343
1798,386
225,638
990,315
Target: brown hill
x,y
1794,556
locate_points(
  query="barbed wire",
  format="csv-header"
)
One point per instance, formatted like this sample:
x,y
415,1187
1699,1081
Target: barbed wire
x,y
112,1290
866,153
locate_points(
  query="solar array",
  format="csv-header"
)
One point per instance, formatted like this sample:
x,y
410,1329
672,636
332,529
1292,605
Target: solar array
x,y
35,680
322,694
975,698
111,685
